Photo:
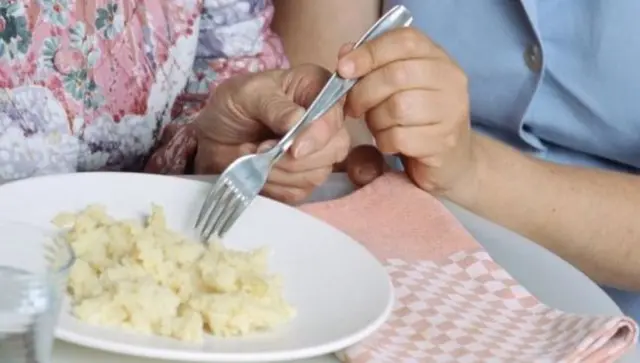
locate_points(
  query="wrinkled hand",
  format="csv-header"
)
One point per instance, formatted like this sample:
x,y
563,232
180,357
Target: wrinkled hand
x,y
249,113
415,102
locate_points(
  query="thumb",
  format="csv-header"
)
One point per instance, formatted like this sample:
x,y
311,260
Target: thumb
x,y
364,164
279,113
304,83
275,110
280,109
282,97
345,49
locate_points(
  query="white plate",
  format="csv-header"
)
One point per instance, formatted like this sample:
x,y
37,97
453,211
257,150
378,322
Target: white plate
x,y
342,293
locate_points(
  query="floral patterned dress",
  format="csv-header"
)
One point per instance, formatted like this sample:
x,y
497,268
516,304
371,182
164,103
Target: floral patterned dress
x,y
108,84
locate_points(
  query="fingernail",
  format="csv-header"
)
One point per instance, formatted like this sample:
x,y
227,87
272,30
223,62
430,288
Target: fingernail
x,y
347,68
304,149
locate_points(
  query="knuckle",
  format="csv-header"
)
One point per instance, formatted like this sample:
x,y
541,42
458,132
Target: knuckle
x,y
307,76
412,40
397,139
249,84
397,74
294,195
370,56
399,108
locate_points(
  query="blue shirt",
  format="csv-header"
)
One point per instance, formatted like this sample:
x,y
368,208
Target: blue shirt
x,y
559,79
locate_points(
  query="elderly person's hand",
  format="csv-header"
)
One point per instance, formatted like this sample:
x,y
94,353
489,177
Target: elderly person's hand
x,y
249,113
414,100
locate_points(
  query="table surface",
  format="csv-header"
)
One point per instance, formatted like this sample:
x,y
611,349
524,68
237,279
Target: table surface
x,y
557,284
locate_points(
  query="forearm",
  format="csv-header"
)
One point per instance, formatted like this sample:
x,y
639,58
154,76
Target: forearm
x,y
313,31
587,216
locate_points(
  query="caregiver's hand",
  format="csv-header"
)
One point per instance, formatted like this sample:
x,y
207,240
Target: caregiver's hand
x,y
414,100
249,113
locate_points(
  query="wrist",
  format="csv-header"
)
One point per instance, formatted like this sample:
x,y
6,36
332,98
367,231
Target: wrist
x,y
468,187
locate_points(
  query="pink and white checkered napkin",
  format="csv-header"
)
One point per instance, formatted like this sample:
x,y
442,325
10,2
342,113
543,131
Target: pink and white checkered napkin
x,y
453,302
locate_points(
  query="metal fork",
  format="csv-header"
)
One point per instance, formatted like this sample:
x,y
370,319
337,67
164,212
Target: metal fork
x,y
241,182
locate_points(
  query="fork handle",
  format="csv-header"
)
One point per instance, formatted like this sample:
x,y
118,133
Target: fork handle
x,y
337,87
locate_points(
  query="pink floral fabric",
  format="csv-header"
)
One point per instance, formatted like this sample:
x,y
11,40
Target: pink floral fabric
x,y
101,84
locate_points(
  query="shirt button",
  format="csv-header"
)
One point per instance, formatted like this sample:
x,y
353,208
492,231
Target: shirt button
x,y
533,57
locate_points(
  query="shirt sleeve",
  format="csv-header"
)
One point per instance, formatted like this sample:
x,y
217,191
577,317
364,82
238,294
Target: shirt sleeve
x,y
233,40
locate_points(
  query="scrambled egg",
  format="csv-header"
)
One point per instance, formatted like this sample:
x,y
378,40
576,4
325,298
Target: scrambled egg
x,y
147,278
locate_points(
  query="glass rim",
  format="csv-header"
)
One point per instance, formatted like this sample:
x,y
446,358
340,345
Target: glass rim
x,y
69,260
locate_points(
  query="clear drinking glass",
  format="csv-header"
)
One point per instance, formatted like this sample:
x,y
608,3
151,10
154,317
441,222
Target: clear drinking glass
x,y
34,266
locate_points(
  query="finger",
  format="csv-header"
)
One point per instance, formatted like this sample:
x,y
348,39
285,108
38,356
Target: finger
x,y
285,194
304,84
317,135
405,43
345,49
278,98
214,158
334,152
266,145
280,114
414,141
364,164
260,97
407,108
396,77
302,180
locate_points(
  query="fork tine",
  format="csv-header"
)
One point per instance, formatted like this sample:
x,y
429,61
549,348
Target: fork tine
x,y
208,204
220,204
229,212
233,217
